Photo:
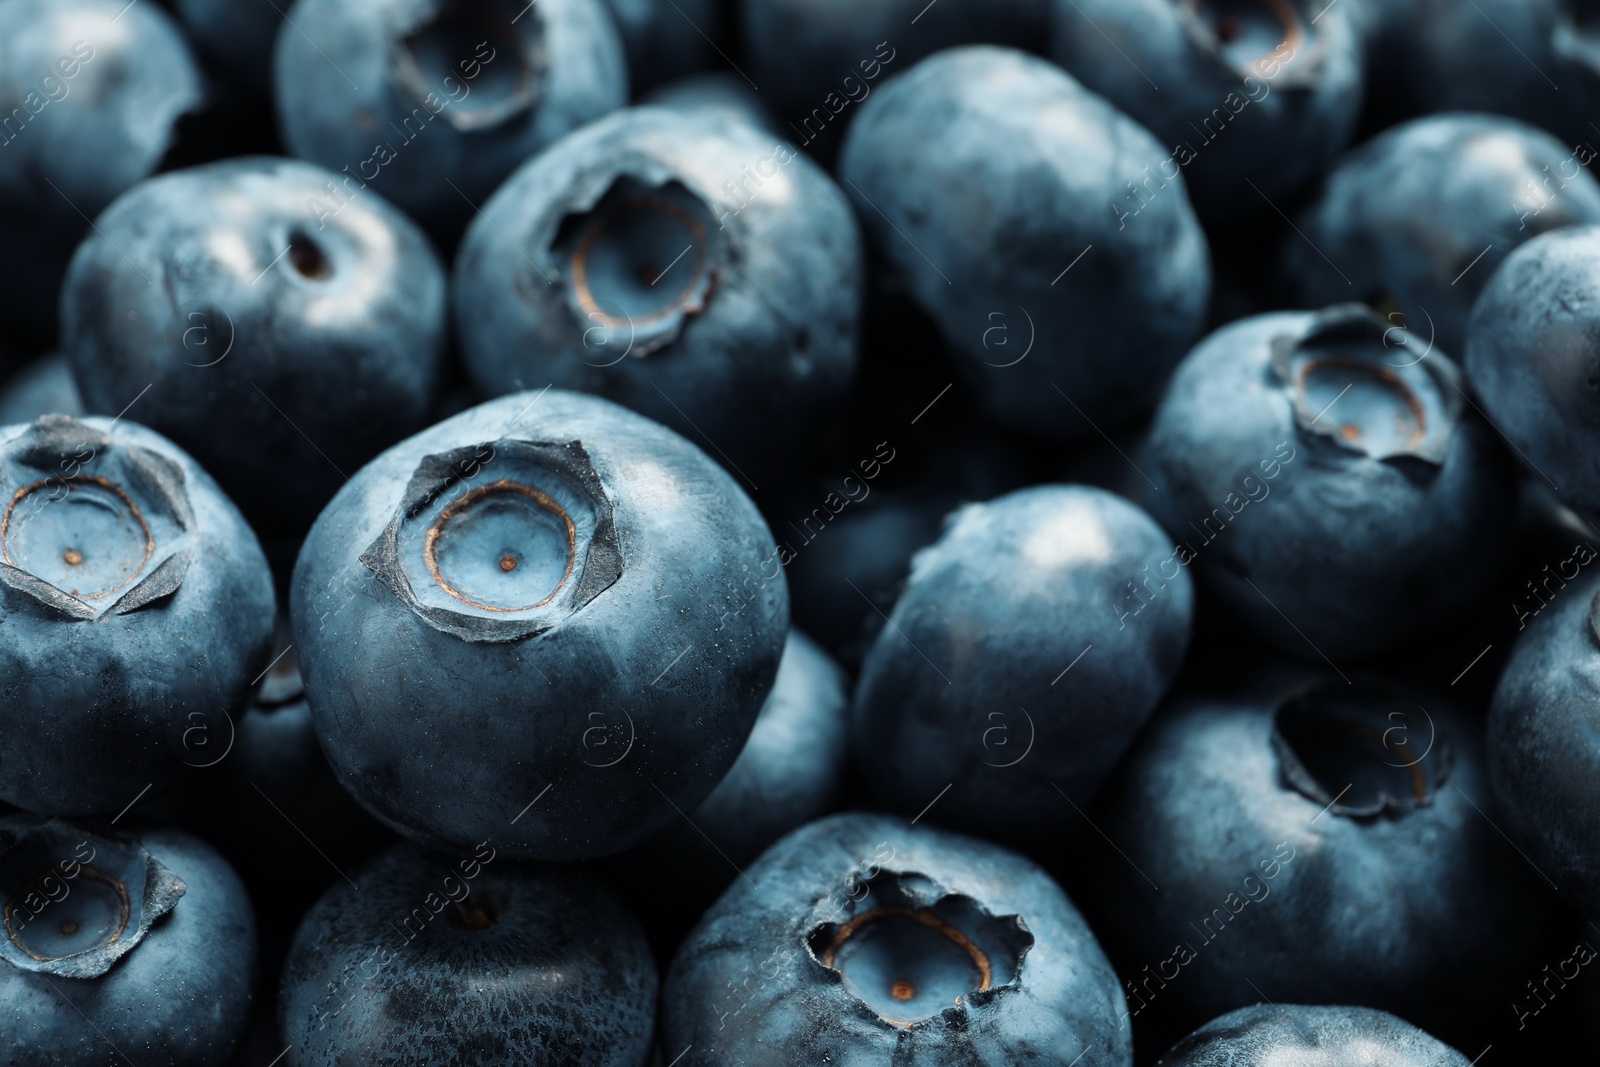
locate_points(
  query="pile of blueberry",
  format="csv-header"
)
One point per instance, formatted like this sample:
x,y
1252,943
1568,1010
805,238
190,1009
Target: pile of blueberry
x,y
772,533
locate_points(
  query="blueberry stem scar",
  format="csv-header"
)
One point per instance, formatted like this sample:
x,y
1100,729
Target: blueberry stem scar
x,y
430,543
83,872
72,556
904,990
580,258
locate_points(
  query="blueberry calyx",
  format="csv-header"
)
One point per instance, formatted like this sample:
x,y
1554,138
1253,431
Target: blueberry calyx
x,y
641,259
1357,382
1361,750
94,527
75,901
908,951
500,541
440,58
1255,38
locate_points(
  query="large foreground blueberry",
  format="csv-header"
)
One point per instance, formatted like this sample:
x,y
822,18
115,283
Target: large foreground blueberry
x,y
1544,740
1320,842
90,91
467,960
698,271
1533,356
134,596
119,945
1030,645
434,102
482,598
982,176
282,335
1297,1036
863,939
1416,220
1252,98
1326,475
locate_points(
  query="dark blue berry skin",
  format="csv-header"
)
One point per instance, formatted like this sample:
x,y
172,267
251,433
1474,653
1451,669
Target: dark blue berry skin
x,y
1286,824
1530,59
280,349
434,103
88,108
1544,755
133,595
448,696
913,917
666,38
1533,358
670,262
819,58
1360,517
1405,218
238,36
1294,1035
40,388
468,960
1239,94
173,988
967,685
979,176
790,768
788,773
721,91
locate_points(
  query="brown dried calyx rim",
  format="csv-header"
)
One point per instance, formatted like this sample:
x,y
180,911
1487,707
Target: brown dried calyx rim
x,y
61,462
554,483
877,945
1383,366
1360,750
44,862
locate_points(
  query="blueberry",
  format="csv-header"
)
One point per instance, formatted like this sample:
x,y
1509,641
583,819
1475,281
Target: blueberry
x,y
1543,754
280,335
119,944
861,938
1315,841
485,596
666,38
1244,93
981,175
819,58
967,687
265,794
787,774
1291,1034
1533,356
464,960
40,388
1325,474
790,768
1416,219
359,89
133,595
90,92
720,91
238,35
1531,59
670,262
